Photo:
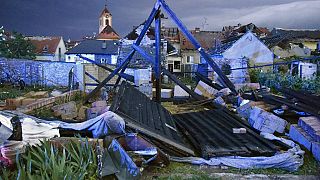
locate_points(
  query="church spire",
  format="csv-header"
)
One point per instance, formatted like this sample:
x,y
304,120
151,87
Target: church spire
x,y
105,18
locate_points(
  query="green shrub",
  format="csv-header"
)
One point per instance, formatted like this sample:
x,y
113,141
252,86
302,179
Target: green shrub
x,y
47,161
279,80
254,75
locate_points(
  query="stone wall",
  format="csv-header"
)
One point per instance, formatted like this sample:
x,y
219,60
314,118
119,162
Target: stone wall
x,y
33,72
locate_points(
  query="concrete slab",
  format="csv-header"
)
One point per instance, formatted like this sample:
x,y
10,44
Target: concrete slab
x,y
179,92
312,126
205,90
266,122
299,135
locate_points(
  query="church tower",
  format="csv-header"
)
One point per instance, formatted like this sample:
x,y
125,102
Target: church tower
x,y
105,19
106,32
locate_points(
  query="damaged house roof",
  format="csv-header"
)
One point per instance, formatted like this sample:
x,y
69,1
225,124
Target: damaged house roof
x,y
207,39
298,33
211,133
149,118
133,35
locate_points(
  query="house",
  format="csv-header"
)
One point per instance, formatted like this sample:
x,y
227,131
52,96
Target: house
x,y
246,46
106,32
173,58
208,41
71,44
237,52
233,31
147,43
293,42
101,51
304,70
48,48
310,38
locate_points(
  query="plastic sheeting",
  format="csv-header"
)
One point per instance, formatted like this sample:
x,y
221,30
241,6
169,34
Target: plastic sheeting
x,y
100,126
33,131
126,168
290,160
5,128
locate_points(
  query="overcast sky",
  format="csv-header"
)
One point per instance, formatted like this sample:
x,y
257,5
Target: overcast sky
x,y
76,18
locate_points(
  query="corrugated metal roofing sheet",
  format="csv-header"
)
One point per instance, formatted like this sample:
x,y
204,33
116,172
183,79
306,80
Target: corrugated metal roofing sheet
x,y
211,133
149,118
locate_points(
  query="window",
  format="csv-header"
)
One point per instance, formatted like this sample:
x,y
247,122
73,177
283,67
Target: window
x,y
45,49
107,22
176,65
190,59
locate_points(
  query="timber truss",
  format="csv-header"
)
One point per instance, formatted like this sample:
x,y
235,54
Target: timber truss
x,y
155,61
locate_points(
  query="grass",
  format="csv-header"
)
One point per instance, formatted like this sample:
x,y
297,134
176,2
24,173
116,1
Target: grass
x,y
187,171
7,92
179,170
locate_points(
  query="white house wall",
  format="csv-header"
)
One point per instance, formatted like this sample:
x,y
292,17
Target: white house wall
x,y
75,58
251,47
63,51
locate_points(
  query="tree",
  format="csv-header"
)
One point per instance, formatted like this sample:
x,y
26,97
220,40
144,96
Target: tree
x,y
1,34
17,47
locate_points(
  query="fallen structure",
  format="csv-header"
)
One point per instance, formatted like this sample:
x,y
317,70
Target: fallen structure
x,y
213,133
149,118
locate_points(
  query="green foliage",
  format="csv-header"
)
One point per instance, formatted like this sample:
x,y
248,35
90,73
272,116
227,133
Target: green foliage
x,y
279,80
254,75
226,69
1,33
17,47
47,161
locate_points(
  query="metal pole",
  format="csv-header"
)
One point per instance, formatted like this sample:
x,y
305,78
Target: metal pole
x,y
157,66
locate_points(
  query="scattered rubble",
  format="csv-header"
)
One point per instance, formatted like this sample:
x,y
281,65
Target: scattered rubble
x,y
67,111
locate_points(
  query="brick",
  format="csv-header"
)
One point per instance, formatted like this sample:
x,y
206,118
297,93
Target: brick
x,y
17,102
41,94
28,101
29,94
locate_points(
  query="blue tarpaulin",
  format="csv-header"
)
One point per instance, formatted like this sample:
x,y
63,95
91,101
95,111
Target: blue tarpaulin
x,y
290,160
100,126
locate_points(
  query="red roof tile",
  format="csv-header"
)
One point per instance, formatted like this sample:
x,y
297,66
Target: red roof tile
x,y
46,45
108,33
207,39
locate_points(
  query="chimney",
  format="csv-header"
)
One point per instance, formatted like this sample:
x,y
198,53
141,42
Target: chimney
x,y
104,45
197,29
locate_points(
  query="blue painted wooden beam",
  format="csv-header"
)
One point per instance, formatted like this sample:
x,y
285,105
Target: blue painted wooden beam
x,y
92,77
168,73
197,45
129,57
157,65
121,74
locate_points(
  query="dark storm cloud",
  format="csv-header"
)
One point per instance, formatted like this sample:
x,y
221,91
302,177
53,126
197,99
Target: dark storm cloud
x,y
76,18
